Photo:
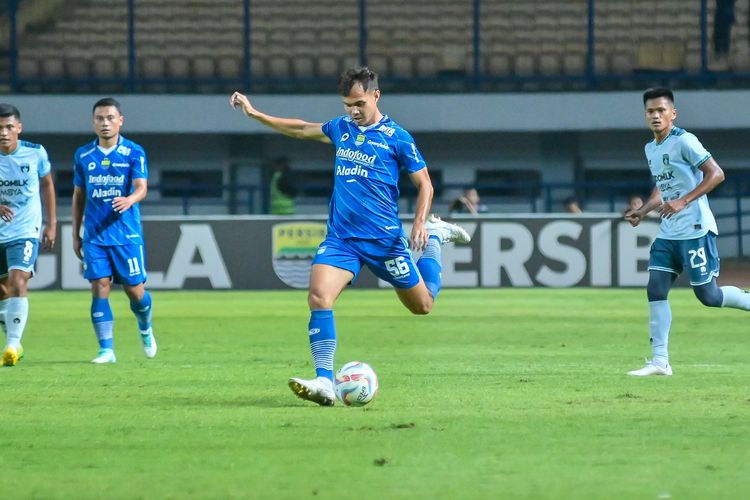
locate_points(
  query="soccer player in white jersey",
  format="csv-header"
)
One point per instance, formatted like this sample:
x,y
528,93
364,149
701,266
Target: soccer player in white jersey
x,y
110,179
683,173
24,174
363,223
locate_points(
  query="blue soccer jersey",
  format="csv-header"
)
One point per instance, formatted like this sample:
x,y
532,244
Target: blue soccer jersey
x,y
105,175
674,164
364,203
20,172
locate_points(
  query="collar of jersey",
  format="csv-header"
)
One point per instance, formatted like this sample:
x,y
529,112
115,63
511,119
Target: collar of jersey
x,y
108,150
365,129
673,131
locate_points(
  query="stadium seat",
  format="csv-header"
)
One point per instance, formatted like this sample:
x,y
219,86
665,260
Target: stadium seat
x,y
53,68
402,66
78,69
228,67
28,68
178,68
151,68
328,66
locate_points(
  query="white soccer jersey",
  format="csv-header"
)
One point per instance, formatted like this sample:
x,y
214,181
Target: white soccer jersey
x,y
674,168
19,189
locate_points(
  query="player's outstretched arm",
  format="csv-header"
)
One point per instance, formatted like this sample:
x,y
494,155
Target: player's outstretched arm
x,y
293,127
76,214
49,235
122,203
421,179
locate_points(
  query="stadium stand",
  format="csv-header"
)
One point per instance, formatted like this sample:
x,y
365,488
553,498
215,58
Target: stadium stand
x,y
201,40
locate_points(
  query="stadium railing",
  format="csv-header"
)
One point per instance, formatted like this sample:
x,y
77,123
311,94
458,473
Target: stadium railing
x,y
301,46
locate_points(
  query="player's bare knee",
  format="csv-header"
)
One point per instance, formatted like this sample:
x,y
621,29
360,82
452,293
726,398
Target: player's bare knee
x,y
135,293
100,288
421,308
318,300
18,287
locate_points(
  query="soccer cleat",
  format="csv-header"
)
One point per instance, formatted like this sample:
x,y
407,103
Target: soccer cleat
x,y
313,390
104,356
149,343
651,368
11,355
446,231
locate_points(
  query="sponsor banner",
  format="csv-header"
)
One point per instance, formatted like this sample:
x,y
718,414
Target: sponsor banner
x,y
244,253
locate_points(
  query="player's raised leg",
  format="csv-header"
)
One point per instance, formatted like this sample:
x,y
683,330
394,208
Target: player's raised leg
x,y
326,284
420,298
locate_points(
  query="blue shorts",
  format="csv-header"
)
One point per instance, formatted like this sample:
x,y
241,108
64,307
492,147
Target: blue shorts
x,y
389,260
125,264
699,256
18,254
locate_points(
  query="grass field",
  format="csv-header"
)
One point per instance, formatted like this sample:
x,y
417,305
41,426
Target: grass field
x,y
496,394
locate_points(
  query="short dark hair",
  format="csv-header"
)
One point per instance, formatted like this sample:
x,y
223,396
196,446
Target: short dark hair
x,y
107,101
7,110
362,75
656,92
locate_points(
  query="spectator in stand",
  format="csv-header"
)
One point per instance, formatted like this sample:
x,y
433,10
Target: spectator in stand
x,y
572,205
467,203
282,190
635,202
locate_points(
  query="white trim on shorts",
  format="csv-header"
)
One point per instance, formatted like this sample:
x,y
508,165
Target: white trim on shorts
x,y
665,269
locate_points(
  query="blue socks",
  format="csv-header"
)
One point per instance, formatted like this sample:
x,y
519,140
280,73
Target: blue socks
x,y
322,330
142,311
101,317
429,265
659,323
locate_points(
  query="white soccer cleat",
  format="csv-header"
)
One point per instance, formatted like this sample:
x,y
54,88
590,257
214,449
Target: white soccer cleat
x,y
318,390
149,343
651,368
446,231
104,356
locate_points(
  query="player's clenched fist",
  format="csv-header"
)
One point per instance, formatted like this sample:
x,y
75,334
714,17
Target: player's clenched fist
x,y
239,100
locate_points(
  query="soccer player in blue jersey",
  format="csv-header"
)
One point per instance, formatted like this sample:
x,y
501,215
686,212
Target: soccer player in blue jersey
x,y
25,184
363,223
683,173
110,179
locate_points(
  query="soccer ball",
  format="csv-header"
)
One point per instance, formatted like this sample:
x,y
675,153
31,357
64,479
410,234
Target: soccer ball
x,y
355,384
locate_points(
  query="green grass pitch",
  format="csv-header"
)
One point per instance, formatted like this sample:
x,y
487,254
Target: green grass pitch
x,y
496,394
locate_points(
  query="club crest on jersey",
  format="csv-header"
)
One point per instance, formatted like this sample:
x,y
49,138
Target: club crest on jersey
x,y
360,140
25,168
293,247
665,159
106,163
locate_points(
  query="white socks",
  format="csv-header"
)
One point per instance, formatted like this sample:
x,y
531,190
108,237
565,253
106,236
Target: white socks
x,y
659,323
15,319
736,298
